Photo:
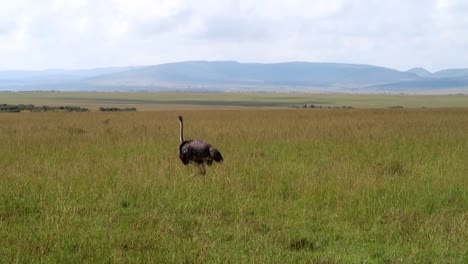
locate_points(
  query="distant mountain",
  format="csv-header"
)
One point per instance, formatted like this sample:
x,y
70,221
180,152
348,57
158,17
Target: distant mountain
x,y
277,74
433,84
41,79
420,72
222,76
451,73
59,74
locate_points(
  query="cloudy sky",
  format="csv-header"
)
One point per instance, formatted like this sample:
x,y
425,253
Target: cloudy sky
x,y
75,34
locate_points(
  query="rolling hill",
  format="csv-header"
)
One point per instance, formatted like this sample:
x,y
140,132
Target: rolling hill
x,y
221,76
421,72
231,74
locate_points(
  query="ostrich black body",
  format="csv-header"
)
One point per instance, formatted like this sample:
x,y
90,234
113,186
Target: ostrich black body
x,y
198,151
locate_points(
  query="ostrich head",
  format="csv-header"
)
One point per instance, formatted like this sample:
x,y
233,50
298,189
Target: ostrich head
x,y
180,118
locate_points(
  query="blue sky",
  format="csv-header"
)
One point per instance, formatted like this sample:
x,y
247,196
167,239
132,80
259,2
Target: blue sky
x,y
75,34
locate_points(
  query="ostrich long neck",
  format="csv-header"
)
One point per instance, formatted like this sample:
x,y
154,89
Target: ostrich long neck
x,y
181,131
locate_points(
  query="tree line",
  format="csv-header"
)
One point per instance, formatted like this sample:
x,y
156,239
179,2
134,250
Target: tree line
x,y
32,108
116,109
44,108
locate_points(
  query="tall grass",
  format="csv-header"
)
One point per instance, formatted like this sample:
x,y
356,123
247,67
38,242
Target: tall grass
x,y
326,186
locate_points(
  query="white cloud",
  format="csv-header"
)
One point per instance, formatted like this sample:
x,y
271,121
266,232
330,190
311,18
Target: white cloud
x,y
86,33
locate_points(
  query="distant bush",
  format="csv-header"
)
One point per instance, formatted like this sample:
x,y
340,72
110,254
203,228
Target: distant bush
x,y
9,108
320,106
116,109
44,108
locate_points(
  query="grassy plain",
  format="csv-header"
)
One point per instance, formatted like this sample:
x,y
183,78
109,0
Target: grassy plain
x,y
156,101
297,186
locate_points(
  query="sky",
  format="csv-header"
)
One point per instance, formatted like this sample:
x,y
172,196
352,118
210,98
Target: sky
x,y
79,34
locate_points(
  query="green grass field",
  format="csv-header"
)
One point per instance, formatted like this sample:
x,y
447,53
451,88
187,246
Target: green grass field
x,y
297,186
157,101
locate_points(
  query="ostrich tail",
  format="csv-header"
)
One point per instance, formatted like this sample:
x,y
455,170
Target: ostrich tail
x,y
216,155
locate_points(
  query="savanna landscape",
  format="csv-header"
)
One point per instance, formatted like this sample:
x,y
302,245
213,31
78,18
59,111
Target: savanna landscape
x,y
382,182
238,131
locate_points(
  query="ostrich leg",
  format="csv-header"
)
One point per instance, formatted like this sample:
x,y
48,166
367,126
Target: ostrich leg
x,y
202,168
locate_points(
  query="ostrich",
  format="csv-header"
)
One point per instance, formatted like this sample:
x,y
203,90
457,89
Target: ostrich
x,y
197,151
